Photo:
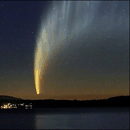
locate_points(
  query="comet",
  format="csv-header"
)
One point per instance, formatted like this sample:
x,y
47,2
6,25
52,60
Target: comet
x,y
63,22
40,59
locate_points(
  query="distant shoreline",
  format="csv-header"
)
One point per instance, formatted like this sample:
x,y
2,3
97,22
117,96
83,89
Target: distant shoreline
x,y
120,101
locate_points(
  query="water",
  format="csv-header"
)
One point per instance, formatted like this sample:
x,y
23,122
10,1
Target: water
x,y
67,118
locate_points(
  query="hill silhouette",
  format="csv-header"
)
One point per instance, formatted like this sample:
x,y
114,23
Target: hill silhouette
x,y
4,97
119,101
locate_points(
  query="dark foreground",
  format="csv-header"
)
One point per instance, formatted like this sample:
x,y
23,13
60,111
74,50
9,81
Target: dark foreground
x,y
121,101
66,118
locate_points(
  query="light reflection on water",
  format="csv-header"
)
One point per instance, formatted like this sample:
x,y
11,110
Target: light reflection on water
x,y
67,119
52,121
101,120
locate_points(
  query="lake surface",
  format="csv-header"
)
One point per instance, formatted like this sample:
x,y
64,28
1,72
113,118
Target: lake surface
x,y
67,118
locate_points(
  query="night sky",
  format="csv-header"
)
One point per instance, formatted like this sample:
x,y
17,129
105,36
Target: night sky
x,y
92,64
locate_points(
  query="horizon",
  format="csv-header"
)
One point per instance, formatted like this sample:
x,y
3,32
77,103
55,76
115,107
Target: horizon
x,y
87,45
69,99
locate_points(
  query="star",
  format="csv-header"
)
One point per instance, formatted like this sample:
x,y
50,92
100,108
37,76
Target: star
x,y
108,27
108,36
87,3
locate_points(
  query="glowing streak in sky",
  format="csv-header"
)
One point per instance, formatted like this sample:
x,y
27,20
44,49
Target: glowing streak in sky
x,y
65,20
40,60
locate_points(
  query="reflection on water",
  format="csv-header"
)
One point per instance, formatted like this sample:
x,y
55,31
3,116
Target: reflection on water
x,y
86,118
53,121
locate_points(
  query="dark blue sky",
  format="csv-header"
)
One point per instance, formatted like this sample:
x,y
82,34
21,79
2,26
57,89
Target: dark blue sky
x,y
98,57
18,33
